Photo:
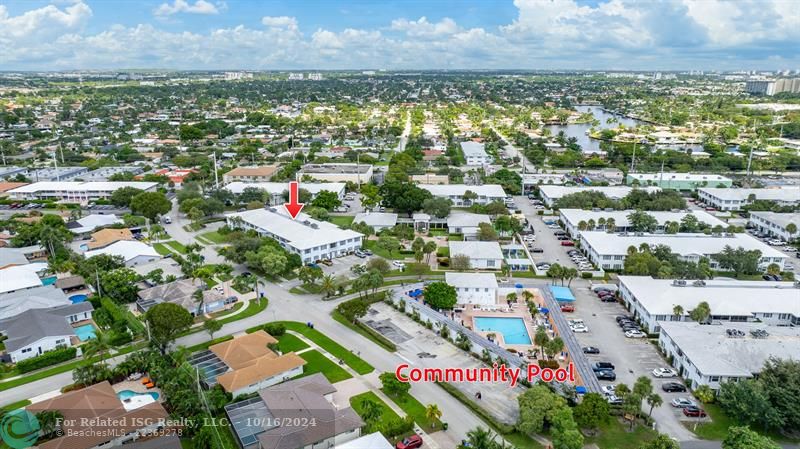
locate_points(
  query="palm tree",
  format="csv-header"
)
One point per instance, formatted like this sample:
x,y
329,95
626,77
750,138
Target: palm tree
x,y
677,311
541,339
582,225
654,400
481,438
428,249
611,225
97,346
601,222
433,413
49,421
328,285
511,298
370,410
590,225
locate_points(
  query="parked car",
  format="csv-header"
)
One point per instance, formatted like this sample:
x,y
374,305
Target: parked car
x,y
635,334
664,372
606,375
567,308
580,329
590,350
608,389
608,299
673,387
694,412
398,264
619,318
682,402
567,243
359,253
537,250
613,399
600,366
411,442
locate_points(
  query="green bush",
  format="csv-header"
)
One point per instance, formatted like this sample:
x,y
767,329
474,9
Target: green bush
x,y
120,338
552,364
275,329
586,275
48,358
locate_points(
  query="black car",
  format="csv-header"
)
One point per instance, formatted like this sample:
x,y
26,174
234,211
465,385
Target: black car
x,y
608,299
603,366
590,350
673,387
537,250
623,317
606,375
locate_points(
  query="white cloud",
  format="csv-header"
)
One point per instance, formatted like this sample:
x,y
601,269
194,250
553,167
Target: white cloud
x,y
659,34
183,6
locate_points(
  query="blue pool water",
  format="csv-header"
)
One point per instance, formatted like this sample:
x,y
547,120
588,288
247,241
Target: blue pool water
x,y
77,298
49,280
513,329
127,394
85,332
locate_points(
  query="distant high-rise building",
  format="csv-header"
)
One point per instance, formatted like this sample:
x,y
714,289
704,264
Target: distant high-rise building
x,y
296,76
772,86
315,76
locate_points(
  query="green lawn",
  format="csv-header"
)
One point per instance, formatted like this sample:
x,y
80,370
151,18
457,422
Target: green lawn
x,y
615,435
215,237
289,343
318,363
416,410
205,345
254,307
335,349
161,249
387,414
342,220
177,245
717,429
437,232
16,405
373,246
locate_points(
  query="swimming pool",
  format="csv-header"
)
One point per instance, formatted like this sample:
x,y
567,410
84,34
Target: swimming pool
x,y
85,332
513,329
76,299
127,394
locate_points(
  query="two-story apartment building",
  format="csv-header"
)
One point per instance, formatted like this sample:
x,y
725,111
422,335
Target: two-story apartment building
x,y
484,194
776,224
736,199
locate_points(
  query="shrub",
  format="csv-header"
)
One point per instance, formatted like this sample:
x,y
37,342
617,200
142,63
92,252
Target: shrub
x,y
586,275
275,329
48,358
552,364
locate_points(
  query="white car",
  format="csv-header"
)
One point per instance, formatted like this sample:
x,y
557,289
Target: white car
x,y
609,390
398,264
529,238
581,329
664,372
683,403
635,334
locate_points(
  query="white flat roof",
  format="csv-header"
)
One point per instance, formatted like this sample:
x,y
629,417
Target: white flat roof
x,y
692,177
785,193
77,186
91,222
376,218
475,149
714,353
488,190
613,192
128,249
476,249
724,297
683,244
620,217
295,232
370,441
17,277
277,188
466,219
470,280
779,219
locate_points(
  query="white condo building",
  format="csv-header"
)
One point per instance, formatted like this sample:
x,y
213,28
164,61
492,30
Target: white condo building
x,y
610,250
736,199
474,288
486,193
653,301
312,240
572,218
776,224
75,191
475,153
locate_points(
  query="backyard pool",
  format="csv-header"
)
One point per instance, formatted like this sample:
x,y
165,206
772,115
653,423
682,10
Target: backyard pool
x,y
78,298
85,332
132,400
512,329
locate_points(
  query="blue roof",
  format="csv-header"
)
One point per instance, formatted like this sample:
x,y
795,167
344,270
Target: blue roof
x,y
562,294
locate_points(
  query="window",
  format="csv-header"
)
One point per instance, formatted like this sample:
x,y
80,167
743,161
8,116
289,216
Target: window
x,y
490,263
713,378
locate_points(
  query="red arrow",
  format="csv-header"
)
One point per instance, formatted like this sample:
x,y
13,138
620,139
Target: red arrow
x,y
294,206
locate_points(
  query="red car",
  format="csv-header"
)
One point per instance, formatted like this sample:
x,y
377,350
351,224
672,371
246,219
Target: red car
x,y
412,442
694,412
567,308
567,243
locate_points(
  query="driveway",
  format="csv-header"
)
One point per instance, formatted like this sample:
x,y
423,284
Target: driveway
x,y
553,251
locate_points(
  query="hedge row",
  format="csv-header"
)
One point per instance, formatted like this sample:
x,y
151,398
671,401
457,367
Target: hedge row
x,y
48,358
500,427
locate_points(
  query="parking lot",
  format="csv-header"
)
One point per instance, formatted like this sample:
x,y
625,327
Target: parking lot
x,y
553,252
631,357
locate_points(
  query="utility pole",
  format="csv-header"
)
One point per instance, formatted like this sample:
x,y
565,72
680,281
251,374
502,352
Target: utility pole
x,y
216,176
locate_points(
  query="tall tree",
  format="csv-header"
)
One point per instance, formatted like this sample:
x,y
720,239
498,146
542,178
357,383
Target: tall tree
x,y
166,321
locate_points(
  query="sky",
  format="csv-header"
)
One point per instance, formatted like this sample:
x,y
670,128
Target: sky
x,y
400,34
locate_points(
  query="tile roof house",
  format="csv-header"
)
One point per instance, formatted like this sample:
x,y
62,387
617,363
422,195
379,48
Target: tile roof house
x,y
250,174
105,237
95,417
181,292
253,365
294,404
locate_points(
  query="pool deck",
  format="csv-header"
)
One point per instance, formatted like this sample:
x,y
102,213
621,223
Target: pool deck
x,y
77,341
137,387
503,310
